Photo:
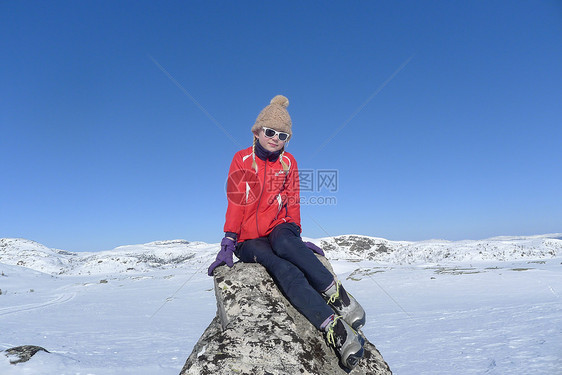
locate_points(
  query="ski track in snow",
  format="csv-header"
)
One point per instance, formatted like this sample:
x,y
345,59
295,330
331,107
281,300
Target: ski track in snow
x,y
59,299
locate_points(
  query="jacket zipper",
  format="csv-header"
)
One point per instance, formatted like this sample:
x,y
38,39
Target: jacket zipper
x,y
259,200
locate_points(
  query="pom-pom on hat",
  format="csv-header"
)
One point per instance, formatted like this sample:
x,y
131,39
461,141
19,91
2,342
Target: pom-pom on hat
x,y
275,116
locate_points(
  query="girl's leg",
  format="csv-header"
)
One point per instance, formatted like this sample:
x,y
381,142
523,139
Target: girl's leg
x,y
290,280
286,242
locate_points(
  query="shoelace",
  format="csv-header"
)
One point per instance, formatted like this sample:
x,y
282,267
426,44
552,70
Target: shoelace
x,y
330,335
336,295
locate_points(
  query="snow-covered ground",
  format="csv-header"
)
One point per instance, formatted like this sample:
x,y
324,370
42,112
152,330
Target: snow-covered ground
x,y
434,307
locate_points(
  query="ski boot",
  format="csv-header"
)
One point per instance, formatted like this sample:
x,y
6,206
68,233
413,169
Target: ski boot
x,y
346,341
345,305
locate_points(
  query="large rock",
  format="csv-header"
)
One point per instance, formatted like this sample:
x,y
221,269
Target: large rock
x,y
23,353
258,332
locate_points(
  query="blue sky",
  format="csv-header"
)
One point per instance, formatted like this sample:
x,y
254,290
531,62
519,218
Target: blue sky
x,y
119,119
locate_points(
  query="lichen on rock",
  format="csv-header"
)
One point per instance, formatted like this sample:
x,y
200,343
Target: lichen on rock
x,y
257,331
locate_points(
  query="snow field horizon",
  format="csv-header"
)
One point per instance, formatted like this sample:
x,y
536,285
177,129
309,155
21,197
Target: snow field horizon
x,y
437,317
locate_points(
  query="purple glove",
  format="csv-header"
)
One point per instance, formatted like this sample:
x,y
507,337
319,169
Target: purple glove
x,y
224,256
314,248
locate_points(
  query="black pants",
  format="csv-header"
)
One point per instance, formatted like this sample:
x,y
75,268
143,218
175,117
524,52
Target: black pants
x,y
294,267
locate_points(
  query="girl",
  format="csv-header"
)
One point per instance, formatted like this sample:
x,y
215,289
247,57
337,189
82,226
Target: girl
x,y
263,225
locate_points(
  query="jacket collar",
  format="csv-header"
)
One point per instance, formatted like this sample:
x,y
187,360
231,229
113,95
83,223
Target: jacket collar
x,y
264,154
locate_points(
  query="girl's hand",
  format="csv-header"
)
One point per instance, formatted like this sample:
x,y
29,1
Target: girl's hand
x,y
314,248
224,256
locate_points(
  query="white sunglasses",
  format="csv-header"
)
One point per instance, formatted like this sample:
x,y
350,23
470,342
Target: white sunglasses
x,y
270,133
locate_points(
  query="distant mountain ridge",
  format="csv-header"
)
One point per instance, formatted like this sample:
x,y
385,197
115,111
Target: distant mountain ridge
x,y
357,247
184,254
128,258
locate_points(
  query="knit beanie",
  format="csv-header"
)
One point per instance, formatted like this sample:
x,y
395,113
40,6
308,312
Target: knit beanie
x,y
275,116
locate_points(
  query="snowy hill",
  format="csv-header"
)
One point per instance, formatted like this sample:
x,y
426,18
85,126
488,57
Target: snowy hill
x,y
123,259
433,307
182,254
355,247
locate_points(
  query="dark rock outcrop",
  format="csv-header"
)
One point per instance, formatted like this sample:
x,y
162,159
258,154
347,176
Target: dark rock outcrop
x,y
23,353
258,332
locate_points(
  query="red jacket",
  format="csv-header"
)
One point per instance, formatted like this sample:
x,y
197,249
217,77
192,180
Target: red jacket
x,y
257,202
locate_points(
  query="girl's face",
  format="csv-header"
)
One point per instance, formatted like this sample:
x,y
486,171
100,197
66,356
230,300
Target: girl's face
x,y
270,144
